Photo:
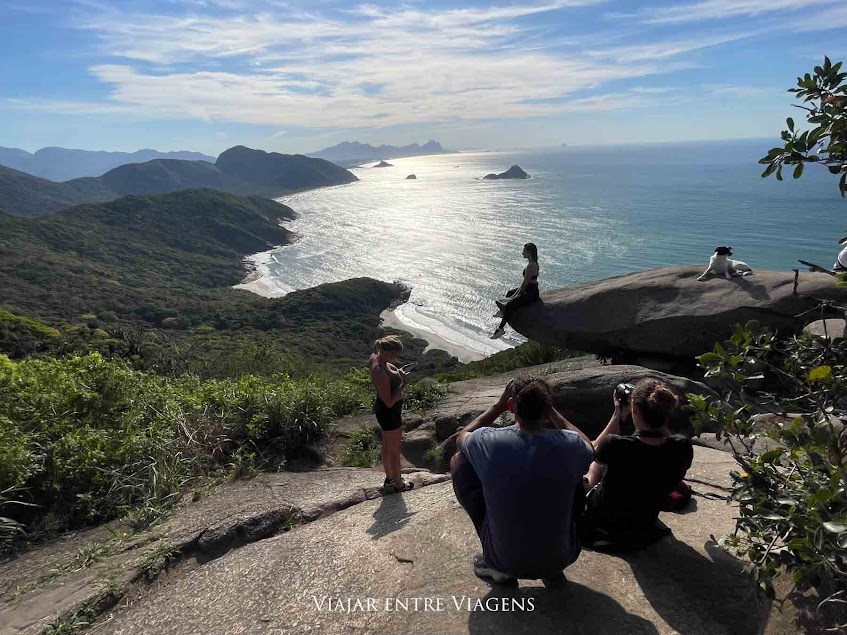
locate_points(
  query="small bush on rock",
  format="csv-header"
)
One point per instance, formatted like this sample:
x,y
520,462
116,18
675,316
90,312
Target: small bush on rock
x,y
793,507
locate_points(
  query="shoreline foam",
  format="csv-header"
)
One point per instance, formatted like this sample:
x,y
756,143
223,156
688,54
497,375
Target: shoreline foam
x,y
434,341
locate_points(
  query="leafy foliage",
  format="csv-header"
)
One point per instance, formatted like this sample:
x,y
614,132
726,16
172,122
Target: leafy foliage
x,y
824,94
793,507
363,449
88,439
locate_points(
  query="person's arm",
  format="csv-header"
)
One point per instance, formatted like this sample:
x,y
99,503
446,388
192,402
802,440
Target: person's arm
x,y
489,416
559,420
614,425
379,377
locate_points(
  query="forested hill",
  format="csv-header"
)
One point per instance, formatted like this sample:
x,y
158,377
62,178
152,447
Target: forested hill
x,y
25,195
239,170
117,256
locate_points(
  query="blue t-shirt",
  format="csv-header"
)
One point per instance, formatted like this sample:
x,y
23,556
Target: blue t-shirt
x,y
529,482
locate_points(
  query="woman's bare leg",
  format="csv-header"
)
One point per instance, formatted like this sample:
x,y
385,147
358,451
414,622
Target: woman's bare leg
x,y
391,441
386,463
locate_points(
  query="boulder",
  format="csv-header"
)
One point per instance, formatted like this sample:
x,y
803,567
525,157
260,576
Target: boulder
x,y
411,176
583,395
668,312
514,172
832,329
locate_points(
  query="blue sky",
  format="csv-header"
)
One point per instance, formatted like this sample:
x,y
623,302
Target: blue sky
x,y
296,76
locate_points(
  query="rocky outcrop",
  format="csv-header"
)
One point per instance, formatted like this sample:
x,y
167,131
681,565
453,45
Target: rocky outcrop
x,y
667,312
420,545
411,176
514,172
51,580
831,329
384,164
582,390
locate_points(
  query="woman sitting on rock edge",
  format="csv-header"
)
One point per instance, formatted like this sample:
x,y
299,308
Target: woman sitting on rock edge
x,y
527,293
632,476
388,407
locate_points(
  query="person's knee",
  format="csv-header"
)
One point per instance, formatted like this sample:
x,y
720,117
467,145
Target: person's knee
x,y
456,462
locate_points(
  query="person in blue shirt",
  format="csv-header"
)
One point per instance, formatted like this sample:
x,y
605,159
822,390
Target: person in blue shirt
x,y
518,485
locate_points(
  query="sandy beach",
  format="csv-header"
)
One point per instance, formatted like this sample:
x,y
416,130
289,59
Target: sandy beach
x,y
434,340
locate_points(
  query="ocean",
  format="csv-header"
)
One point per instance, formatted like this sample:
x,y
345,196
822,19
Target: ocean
x,y
593,212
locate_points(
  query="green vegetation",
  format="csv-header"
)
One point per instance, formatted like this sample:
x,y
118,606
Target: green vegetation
x,y
793,506
528,354
824,95
26,195
239,170
88,439
364,449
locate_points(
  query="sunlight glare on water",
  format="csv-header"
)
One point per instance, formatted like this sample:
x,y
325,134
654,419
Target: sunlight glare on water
x,y
456,239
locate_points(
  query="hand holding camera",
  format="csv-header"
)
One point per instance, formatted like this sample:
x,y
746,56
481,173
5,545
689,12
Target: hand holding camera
x,y
622,398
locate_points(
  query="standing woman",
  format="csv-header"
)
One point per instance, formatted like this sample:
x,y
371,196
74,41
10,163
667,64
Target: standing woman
x,y
527,293
388,407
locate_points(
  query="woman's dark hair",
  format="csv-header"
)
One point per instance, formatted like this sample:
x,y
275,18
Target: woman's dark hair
x,y
655,401
532,249
532,399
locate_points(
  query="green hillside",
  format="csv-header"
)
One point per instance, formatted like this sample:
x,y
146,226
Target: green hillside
x,y
239,170
166,175
26,195
274,172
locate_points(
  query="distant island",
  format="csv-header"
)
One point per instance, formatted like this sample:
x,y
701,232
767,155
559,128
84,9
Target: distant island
x,y
514,172
64,164
350,152
238,170
384,164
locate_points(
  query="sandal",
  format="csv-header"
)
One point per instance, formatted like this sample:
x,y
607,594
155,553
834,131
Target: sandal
x,y
404,486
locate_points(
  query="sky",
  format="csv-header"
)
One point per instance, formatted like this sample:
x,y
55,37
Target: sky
x,y
297,76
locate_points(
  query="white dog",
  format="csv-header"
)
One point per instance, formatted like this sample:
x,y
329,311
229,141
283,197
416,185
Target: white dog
x,y
722,265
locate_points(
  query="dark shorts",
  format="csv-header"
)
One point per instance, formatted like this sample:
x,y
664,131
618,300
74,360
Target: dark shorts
x,y
388,418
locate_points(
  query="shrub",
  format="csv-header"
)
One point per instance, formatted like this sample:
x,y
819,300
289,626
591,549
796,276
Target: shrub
x,y
88,439
793,508
363,450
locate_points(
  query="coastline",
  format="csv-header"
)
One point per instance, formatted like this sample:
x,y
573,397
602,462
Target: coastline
x,y
434,341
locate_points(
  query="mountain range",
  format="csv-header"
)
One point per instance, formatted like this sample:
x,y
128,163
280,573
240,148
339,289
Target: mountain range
x,y
355,151
64,164
238,170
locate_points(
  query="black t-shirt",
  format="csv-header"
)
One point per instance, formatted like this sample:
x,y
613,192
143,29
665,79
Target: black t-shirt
x,y
638,479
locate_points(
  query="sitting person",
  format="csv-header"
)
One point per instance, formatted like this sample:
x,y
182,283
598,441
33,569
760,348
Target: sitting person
x,y
518,485
632,476
527,293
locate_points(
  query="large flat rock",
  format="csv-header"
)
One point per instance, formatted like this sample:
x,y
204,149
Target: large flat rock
x,y
667,312
236,513
420,545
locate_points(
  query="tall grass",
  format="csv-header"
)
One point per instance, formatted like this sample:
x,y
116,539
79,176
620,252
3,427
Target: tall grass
x,y
87,439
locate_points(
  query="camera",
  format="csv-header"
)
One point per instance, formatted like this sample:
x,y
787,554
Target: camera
x,y
624,392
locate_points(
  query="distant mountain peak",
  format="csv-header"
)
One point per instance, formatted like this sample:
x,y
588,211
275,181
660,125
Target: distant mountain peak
x,y
355,150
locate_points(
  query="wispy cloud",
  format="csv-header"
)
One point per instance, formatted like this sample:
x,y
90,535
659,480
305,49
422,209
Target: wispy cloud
x,y
368,65
720,10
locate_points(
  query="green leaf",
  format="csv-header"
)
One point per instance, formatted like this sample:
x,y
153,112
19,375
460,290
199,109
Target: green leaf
x,y
835,528
790,123
821,373
798,171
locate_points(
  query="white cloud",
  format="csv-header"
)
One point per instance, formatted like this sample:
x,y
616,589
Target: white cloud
x,y
372,66
720,10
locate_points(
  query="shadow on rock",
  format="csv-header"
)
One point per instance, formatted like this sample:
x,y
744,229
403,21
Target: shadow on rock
x,y
756,290
391,515
572,609
689,590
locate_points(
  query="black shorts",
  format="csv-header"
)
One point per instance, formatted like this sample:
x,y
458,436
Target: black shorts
x,y
388,418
